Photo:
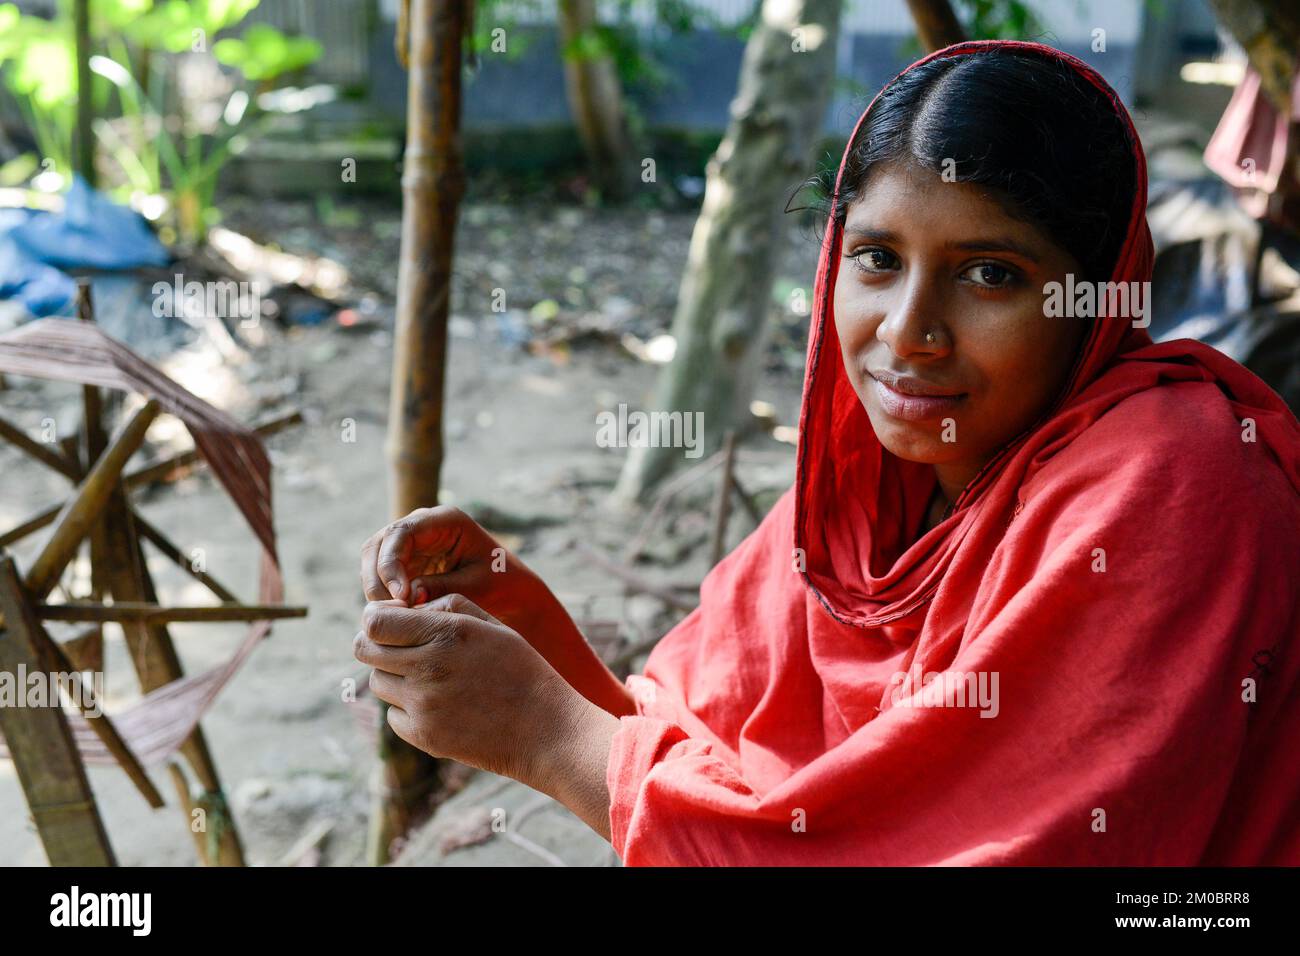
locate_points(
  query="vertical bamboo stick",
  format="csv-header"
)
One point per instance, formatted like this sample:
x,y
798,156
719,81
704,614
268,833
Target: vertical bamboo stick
x,y
432,185
94,441
84,508
42,749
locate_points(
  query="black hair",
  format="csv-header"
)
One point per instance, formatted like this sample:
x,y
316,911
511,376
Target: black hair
x,y
1047,143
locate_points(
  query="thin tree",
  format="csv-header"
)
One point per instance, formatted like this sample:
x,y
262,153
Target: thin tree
x,y
433,181
937,25
725,295
595,94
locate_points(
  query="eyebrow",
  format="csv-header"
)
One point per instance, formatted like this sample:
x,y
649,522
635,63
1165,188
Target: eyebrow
x,y
991,244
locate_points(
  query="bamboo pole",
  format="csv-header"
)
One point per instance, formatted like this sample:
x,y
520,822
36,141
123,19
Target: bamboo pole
x,y
169,469
47,456
95,440
44,754
149,613
52,658
85,648
170,550
76,517
433,182
156,663
182,785
174,467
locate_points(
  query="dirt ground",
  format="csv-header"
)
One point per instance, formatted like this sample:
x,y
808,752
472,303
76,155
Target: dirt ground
x,y
521,439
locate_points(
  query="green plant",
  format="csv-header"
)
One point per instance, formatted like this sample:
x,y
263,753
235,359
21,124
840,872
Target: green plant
x,y
154,138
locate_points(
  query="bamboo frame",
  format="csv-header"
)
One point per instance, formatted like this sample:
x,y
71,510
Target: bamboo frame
x,y
148,613
99,512
45,756
167,470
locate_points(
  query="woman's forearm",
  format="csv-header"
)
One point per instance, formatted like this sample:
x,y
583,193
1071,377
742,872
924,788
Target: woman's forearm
x,y
572,766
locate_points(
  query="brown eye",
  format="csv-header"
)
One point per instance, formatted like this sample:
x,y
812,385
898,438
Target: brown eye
x,y
875,260
990,275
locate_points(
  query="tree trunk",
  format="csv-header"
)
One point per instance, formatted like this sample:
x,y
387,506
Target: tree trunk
x,y
726,291
595,99
936,25
433,182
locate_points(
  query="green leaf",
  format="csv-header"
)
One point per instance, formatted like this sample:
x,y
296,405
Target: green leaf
x,y
263,52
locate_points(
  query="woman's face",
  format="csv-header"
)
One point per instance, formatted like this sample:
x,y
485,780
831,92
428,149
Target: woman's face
x,y
939,310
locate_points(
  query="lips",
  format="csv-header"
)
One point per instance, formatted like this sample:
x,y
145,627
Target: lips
x,y
913,399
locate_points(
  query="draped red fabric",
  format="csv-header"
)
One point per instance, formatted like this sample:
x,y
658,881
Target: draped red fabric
x,y
1110,614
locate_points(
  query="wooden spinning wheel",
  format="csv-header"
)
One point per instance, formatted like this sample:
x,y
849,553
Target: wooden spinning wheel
x,y
49,748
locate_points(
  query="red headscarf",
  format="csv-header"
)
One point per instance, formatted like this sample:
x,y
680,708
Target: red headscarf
x,y
1123,579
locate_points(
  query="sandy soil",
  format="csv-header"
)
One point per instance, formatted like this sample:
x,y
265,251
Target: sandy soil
x,y
521,438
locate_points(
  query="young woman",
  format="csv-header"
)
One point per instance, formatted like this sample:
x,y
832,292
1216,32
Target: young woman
x,y
1033,598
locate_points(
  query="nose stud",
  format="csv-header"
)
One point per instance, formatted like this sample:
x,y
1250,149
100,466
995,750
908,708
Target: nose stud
x,y
930,338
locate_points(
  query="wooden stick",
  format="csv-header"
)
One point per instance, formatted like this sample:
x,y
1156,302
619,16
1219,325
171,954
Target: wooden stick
x,y
54,659
142,611
174,467
722,503
183,792
85,648
164,544
50,771
747,500
77,516
154,656
42,453
167,470
666,494
95,442
634,580
433,181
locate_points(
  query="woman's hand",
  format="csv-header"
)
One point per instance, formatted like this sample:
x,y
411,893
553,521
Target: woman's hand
x,y
435,552
461,684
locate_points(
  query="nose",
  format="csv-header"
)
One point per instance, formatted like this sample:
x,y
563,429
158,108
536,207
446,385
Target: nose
x,y
914,325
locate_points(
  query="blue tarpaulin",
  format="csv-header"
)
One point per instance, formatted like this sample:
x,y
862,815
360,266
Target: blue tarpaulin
x,y
92,232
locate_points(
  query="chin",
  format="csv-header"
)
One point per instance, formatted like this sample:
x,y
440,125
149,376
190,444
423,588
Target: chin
x,y
920,442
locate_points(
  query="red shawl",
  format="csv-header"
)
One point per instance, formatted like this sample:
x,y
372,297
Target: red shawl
x,y
1121,582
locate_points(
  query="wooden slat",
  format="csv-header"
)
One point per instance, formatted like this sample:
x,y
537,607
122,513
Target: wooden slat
x,y
145,612
79,514
170,550
167,470
42,749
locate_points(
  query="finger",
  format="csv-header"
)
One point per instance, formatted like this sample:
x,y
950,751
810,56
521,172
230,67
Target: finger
x,y
428,587
400,721
459,604
374,588
394,551
393,624
403,661
387,687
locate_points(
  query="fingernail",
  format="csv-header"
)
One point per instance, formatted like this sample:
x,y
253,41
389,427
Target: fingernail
x,y
395,589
